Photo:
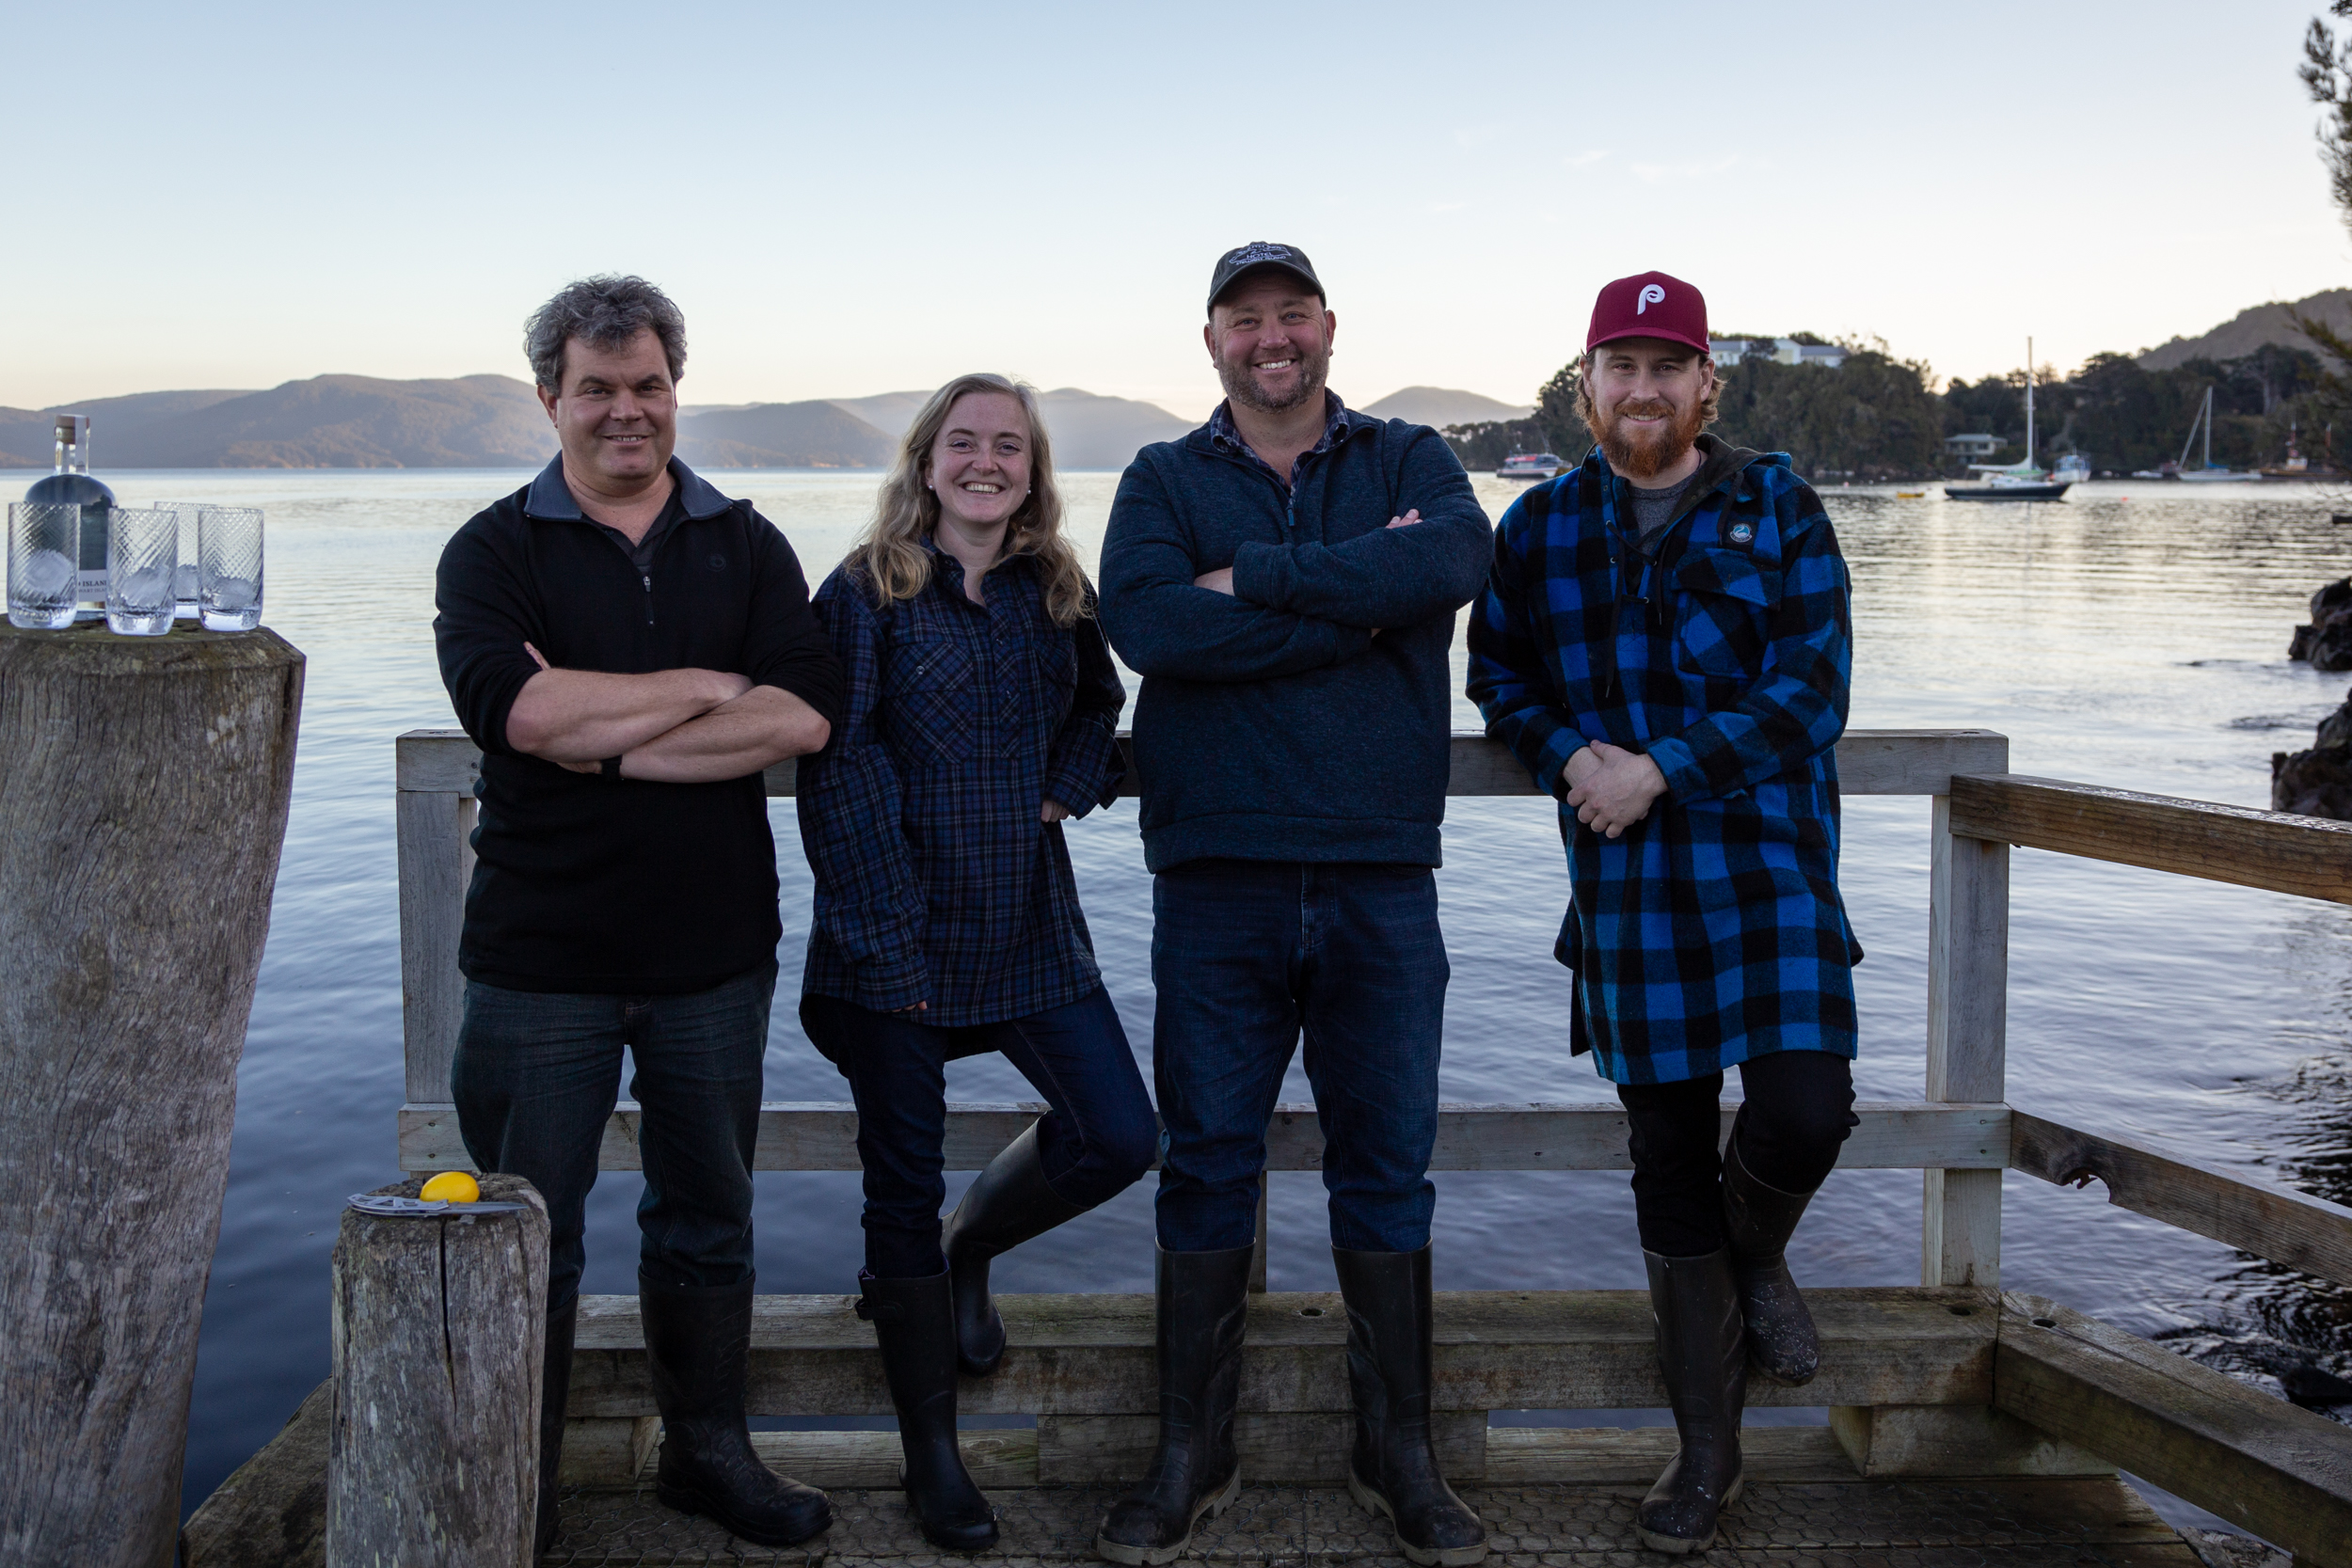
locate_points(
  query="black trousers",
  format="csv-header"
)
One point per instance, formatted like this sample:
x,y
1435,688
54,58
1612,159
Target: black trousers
x,y
1799,1109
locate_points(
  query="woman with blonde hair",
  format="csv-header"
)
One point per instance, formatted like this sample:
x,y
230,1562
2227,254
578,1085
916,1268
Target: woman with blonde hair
x,y
980,711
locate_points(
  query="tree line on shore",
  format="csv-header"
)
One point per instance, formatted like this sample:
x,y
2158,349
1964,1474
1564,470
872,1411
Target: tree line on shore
x,y
1879,417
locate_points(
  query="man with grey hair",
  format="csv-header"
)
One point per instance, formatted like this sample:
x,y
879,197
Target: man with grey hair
x,y
629,649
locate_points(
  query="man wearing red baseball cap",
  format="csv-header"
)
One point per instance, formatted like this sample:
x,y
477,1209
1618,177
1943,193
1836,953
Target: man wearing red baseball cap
x,y
1665,643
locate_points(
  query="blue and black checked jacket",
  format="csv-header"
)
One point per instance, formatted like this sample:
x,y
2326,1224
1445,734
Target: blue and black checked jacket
x,y
935,880
1711,931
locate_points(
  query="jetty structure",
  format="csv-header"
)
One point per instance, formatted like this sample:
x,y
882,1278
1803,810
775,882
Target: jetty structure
x,y
1968,1424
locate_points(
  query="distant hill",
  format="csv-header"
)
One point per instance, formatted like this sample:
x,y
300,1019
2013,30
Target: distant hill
x,y
1091,432
348,421
1441,406
811,434
352,421
28,437
2248,330
888,412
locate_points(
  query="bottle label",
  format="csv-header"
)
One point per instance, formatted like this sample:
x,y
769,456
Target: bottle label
x,y
91,588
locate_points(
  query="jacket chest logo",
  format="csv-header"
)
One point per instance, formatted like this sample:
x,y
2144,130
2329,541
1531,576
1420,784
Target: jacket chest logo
x,y
1743,533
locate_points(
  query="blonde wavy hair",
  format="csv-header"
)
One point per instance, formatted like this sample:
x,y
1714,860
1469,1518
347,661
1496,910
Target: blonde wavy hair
x,y
889,557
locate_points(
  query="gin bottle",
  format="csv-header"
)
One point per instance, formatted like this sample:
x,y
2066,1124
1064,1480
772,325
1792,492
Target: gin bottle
x,y
71,485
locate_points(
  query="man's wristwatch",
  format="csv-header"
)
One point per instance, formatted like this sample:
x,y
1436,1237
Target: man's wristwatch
x,y
609,768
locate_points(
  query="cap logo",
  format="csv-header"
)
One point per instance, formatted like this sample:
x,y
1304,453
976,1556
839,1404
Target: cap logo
x,y
1260,251
1651,294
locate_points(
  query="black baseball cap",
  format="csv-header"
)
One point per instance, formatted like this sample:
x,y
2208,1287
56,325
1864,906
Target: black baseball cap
x,y
1260,253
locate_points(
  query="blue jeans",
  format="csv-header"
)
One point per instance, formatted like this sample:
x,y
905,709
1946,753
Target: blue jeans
x,y
1093,1143
1246,954
537,1074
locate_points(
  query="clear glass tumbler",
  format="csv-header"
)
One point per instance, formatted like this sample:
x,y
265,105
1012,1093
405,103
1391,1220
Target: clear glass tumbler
x,y
142,560
229,567
45,556
183,582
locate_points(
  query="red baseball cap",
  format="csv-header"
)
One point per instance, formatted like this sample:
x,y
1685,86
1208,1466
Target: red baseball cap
x,y
1649,305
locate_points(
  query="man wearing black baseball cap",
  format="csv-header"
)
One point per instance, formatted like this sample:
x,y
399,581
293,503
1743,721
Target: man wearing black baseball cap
x,y
1665,643
1284,579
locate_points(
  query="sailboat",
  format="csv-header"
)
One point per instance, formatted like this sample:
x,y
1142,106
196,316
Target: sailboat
x,y
2014,482
2209,474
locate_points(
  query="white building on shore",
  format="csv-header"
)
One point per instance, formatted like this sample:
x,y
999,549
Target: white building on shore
x,y
1728,352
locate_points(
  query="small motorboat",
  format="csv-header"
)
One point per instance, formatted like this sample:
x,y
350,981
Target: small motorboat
x,y
1532,465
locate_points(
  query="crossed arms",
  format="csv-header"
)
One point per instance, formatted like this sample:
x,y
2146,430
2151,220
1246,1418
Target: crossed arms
x,y
1281,609
670,727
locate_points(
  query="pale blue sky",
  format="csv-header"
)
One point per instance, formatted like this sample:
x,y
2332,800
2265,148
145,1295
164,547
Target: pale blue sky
x,y
850,201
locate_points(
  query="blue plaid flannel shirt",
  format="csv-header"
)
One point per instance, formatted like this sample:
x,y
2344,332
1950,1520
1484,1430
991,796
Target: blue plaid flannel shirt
x,y
935,880
1712,930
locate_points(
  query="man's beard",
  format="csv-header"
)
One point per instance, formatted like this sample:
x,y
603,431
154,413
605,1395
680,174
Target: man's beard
x,y
1242,387
1644,456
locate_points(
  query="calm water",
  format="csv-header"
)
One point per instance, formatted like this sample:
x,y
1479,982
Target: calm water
x,y
2131,635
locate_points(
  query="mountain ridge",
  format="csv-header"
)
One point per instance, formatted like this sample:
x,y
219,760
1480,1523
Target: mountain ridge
x,y
353,421
2252,328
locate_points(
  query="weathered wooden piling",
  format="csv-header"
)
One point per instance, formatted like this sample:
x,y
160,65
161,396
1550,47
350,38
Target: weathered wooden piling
x,y
439,1325
143,791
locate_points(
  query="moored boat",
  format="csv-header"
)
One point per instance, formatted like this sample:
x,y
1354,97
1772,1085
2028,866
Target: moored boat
x,y
2020,481
1532,465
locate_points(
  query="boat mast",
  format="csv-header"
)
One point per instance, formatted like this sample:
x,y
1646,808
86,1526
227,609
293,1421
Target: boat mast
x,y
2029,403
2205,412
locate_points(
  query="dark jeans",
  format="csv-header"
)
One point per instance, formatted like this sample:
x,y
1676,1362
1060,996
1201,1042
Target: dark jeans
x,y
1093,1143
536,1076
1799,1109
1248,955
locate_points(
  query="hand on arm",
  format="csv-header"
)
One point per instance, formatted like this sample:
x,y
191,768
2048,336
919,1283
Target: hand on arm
x,y
677,726
760,728
581,716
1221,580
1610,788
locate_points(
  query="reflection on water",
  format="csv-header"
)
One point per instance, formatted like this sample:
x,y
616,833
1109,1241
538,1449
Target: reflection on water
x,y
2131,635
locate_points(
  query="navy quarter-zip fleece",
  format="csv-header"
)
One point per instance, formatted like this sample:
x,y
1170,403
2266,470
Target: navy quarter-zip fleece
x,y
1273,723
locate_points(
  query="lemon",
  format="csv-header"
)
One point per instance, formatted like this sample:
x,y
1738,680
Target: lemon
x,y
451,1186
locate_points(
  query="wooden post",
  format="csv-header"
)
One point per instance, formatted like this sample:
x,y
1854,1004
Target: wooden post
x,y
1960,1235
143,792
439,1326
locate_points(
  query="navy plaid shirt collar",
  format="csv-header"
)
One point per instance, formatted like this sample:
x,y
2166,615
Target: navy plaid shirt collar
x,y
1226,436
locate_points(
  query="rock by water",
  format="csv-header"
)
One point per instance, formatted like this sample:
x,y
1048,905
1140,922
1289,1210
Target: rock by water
x,y
2327,640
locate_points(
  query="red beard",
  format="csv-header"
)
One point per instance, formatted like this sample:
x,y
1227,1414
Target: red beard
x,y
1644,457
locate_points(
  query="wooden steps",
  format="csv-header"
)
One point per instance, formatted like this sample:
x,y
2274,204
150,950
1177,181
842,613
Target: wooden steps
x,y
1090,1355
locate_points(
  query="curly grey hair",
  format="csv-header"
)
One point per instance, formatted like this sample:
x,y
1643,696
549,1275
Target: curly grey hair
x,y
604,311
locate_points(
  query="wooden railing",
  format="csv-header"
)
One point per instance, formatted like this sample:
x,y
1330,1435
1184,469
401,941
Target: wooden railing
x,y
1898,1370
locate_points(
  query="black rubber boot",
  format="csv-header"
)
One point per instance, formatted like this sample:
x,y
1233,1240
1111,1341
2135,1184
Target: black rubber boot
x,y
555,1387
1782,1344
1007,1204
1702,1353
913,1320
1203,1301
697,1351
1393,1468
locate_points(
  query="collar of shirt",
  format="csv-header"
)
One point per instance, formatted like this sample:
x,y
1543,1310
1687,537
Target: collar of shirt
x,y
552,498
1225,435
